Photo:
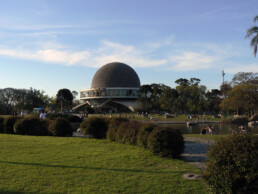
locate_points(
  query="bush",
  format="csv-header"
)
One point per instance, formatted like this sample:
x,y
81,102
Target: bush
x,y
9,124
1,124
232,165
144,132
31,126
127,132
166,142
113,125
240,120
60,127
95,127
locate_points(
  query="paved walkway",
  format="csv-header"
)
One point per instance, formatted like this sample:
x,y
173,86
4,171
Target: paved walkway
x,y
196,151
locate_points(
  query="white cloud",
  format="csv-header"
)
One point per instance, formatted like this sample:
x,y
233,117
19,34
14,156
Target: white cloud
x,y
48,55
242,68
187,61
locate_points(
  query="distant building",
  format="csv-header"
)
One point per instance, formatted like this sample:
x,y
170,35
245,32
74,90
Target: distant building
x,y
114,86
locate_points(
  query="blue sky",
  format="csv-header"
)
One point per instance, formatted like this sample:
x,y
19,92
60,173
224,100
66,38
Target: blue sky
x,y
54,44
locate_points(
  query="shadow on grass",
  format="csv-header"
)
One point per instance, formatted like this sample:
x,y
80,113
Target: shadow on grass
x,y
10,192
86,167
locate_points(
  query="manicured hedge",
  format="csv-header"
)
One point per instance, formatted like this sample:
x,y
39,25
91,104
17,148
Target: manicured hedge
x,y
144,132
113,125
127,132
94,127
60,127
1,124
31,126
166,142
9,124
232,165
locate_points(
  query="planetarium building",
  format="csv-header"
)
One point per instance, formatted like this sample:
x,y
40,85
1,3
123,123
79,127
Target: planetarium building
x,y
114,86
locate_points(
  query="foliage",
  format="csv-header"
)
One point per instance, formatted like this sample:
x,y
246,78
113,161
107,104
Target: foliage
x,y
95,126
9,124
143,134
113,125
232,165
253,33
127,132
60,127
21,99
1,124
168,100
243,96
254,117
31,126
166,142
64,97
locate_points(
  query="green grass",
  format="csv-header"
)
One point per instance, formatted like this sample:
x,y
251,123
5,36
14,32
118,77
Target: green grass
x,y
210,137
30,164
135,116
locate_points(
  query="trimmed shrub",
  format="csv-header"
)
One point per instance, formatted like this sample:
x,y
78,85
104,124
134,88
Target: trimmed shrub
x,y
1,124
9,124
166,142
232,165
31,126
113,125
127,132
60,127
143,134
95,127
240,120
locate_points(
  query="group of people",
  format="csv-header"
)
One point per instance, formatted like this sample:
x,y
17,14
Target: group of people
x,y
207,130
240,129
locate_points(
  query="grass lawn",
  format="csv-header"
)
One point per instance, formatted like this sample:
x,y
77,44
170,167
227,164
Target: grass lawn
x,y
161,117
30,164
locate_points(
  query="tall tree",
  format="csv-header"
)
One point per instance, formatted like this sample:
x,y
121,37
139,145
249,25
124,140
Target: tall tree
x,y
253,33
64,97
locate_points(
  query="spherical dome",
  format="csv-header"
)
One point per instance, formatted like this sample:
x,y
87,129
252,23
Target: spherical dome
x,y
115,75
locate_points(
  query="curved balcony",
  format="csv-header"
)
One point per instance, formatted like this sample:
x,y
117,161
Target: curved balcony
x,y
96,93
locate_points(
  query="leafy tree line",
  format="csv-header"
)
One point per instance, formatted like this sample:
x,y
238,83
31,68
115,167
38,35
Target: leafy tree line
x,y
13,100
240,96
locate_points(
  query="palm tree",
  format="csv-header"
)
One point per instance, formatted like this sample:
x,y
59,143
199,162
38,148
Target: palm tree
x,y
253,31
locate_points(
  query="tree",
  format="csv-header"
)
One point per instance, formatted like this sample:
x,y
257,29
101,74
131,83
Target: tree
x,y
253,32
64,97
243,97
168,100
245,78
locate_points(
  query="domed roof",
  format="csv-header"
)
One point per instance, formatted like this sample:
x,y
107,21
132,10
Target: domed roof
x,y
115,75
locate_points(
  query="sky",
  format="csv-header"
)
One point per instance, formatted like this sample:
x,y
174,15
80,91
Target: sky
x,y
53,44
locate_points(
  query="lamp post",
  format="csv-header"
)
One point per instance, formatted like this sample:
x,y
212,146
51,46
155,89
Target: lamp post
x,y
223,74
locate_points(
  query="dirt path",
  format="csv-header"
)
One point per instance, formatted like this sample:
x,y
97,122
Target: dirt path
x,y
196,151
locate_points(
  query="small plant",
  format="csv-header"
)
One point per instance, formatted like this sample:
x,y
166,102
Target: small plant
x,y
113,125
166,142
31,126
1,124
95,127
232,165
144,132
9,124
127,132
60,127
